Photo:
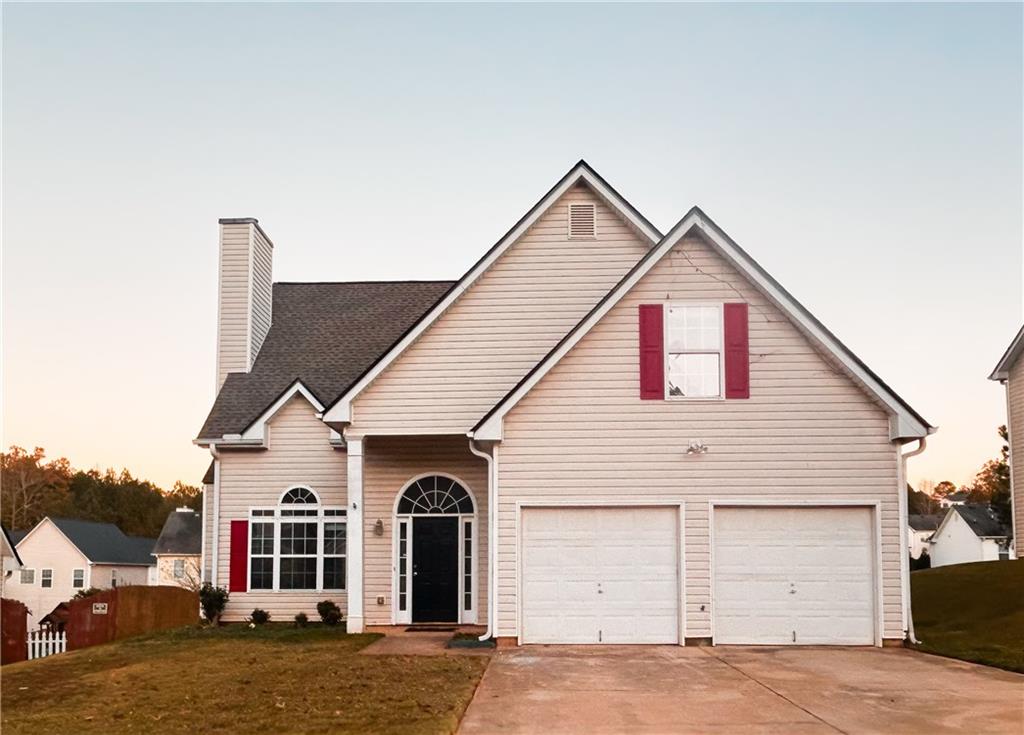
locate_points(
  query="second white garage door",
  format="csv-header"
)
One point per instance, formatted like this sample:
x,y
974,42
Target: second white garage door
x,y
794,575
600,575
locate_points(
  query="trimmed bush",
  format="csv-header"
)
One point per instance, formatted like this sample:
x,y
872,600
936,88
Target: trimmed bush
x,y
301,620
329,612
212,600
259,617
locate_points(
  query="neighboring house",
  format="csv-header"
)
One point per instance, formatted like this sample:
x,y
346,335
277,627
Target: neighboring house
x,y
969,532
957,498
11,562
178,549
921,528
1010,372
63,555
599,434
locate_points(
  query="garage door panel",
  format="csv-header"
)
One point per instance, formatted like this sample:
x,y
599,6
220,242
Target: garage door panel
x,y
612,573
794,575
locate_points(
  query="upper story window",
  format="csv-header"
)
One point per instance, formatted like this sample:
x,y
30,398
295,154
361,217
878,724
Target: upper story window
x,y
78,578
179,568
46,578
694,350
28,576
298,545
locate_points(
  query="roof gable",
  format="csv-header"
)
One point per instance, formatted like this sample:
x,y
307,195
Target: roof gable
x,y
905,423
339,412
181,534
101,543
1009,358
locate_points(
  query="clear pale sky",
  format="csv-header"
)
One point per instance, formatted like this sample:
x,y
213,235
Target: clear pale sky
x,y
869,157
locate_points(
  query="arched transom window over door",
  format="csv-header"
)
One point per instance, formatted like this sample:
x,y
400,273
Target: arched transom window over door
x,y
435,552
436,494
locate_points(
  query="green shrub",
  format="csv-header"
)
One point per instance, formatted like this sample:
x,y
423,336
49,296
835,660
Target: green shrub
x,y
329,612
86,593
301,620
212,600
259,617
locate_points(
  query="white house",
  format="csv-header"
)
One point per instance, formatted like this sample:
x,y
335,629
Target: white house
x,y
958,498
9,557
62,556
969,532
178,549
919,533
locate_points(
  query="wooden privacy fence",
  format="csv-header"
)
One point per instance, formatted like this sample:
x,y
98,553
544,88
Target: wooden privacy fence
x,y
129,611
44,643
14,628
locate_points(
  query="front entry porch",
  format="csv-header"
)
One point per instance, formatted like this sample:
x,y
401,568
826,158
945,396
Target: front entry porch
x,y
423,508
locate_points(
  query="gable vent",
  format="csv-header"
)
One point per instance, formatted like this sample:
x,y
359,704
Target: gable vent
x,y
582,221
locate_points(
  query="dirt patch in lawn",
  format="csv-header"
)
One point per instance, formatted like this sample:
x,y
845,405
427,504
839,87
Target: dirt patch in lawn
x,y
234,679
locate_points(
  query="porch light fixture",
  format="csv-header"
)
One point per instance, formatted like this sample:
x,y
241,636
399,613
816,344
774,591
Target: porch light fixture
x,y
378,528
696,446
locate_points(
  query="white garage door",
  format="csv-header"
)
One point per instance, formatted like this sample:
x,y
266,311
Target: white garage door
x,y
600,575
794,575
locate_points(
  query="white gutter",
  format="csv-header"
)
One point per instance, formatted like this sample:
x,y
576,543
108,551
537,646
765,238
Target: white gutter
x,y
492,525
216,516
904,540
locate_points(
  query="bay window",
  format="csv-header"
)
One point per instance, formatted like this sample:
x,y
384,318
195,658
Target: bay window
x,y
298,545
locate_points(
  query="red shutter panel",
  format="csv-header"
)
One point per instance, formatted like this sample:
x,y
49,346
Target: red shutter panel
x,y
652,352
737,352
238,579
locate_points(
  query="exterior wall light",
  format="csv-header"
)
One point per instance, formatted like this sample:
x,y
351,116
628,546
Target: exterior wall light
x,y
378,528
696,446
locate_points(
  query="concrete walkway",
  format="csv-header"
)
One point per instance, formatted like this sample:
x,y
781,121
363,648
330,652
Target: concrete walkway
x,y
638,689
397,641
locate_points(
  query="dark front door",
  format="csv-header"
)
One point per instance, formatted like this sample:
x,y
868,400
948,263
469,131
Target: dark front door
x,y
435,570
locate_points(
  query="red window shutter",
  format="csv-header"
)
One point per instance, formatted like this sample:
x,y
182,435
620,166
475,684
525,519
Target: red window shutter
x,y
652,352
737,352
238,579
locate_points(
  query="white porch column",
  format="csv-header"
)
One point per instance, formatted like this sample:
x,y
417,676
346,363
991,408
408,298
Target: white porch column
x,y
354,558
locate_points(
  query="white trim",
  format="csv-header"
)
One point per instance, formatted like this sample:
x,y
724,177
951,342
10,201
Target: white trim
x,y
466,617
78,569
903,424
341,411
802,502
1002,368
280,499
568,217
589,502
257,430
354,537
1015,543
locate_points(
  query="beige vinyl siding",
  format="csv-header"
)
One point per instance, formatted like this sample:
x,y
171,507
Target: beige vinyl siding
x,y
208,523
298,453
127,576
165,570
807,432
244,298
45,547
262,289
501,327
1015,419
389,464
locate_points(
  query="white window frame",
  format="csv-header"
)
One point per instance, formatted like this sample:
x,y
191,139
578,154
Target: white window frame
x,y
44,578
720,305
272,514
178,568
31,572
113,579
74,579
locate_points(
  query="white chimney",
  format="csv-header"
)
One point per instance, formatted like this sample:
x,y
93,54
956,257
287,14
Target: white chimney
x,y
244,294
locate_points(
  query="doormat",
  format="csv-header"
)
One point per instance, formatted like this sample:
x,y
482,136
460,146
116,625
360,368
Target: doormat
x,y
430,629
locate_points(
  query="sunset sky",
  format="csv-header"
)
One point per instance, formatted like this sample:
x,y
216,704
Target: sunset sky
x,y
869,157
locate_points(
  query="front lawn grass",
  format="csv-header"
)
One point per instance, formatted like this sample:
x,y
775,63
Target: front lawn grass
x,y
973,612
272,679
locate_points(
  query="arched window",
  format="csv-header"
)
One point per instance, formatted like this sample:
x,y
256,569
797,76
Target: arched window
x,y
436,494
299,495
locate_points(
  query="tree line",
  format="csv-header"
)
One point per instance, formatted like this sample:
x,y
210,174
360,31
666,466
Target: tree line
x,y
34,487
991,485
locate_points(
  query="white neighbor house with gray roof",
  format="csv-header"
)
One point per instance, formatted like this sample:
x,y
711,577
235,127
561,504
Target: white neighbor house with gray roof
x,y
61,556
592,436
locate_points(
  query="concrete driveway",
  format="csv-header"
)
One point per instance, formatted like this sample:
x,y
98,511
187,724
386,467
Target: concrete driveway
x,y
654,689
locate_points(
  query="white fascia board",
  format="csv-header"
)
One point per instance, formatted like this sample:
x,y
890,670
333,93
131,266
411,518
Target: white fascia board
x,y
1002,369
254,437
903,425
341,411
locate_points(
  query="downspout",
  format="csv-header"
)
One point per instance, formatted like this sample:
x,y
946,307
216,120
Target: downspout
x,y
492,555
215,542
904,521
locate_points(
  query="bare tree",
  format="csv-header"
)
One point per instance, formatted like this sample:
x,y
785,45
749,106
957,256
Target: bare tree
x,y
30,485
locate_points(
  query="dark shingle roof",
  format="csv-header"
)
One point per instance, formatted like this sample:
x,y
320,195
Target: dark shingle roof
x,y
105,543
958,496
982,519
16,536
208,477
920,522
182,534
324,334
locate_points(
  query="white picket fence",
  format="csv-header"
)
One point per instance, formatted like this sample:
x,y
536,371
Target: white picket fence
x,y
43,643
